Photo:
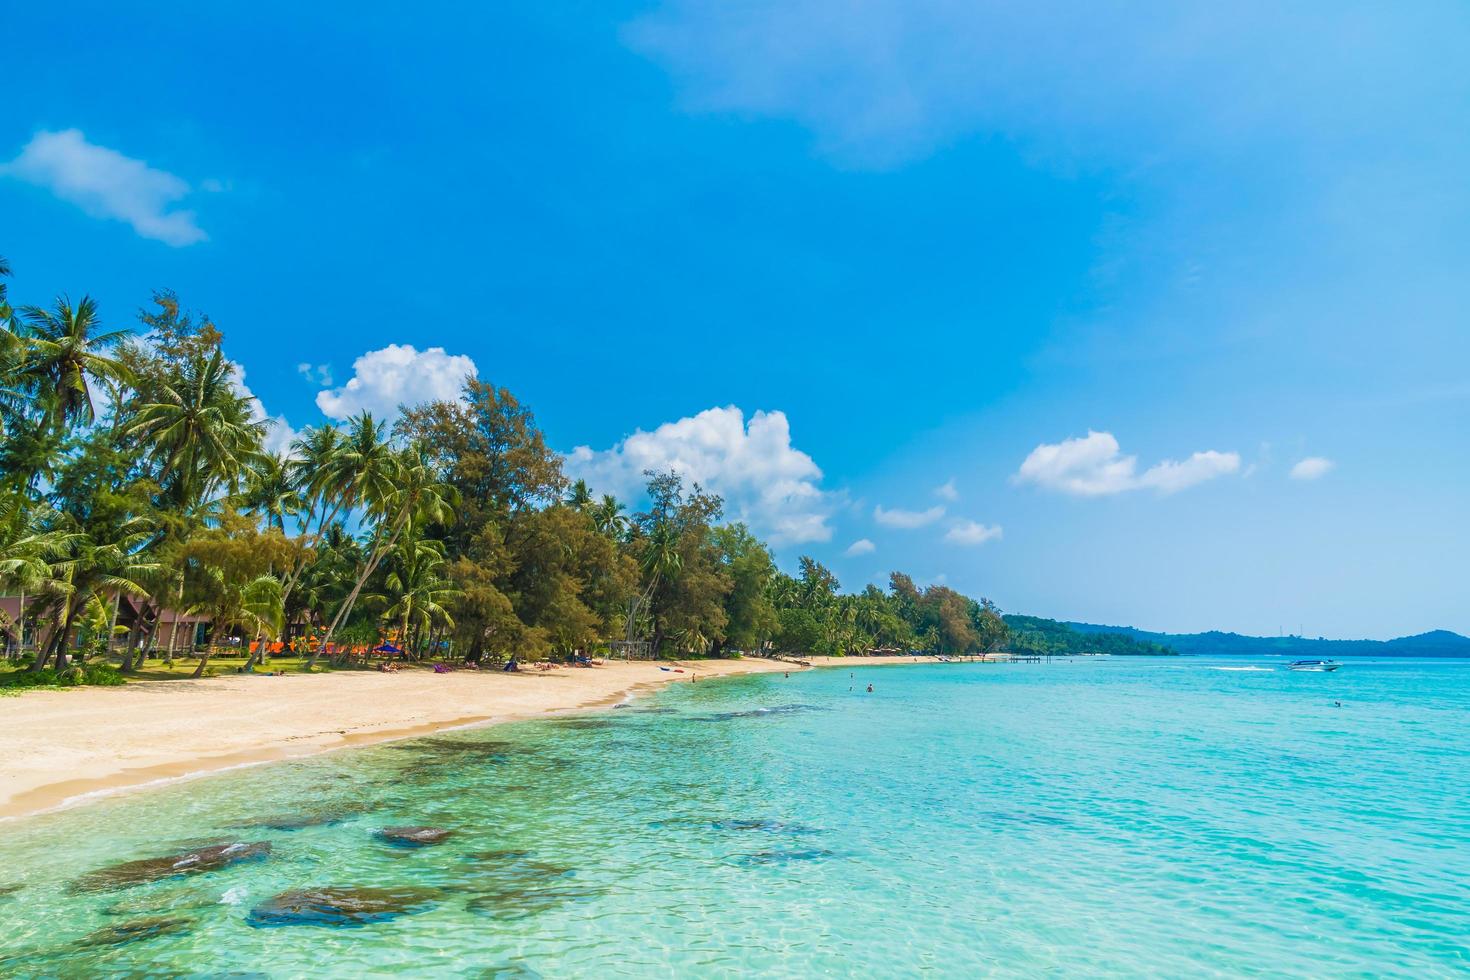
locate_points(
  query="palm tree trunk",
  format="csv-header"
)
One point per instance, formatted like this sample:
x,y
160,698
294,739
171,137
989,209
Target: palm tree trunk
x,y
173,632
255,656
112,625
346,608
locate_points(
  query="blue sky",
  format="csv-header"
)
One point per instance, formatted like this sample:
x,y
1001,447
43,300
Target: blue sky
x,y
1140,313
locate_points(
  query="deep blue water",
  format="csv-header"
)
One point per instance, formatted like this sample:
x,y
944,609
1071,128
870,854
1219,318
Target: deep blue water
x,y
1092,817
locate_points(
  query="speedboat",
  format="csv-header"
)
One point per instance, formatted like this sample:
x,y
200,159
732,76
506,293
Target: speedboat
x,y
1318,665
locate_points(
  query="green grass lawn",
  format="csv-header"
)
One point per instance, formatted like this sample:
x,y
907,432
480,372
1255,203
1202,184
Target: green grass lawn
x,y
15,678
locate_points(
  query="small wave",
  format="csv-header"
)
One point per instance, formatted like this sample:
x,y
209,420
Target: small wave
x,y
234,896
1253,669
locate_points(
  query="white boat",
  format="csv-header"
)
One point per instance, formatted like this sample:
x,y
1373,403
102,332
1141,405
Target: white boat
x,y
1317,665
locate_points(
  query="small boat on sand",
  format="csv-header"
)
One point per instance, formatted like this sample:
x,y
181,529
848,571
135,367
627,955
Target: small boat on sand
x,y
1317,665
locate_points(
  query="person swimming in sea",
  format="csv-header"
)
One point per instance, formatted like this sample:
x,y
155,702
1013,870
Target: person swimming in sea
x,y
870,689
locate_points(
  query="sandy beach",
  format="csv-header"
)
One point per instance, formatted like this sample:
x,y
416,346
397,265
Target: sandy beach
x,y
64,745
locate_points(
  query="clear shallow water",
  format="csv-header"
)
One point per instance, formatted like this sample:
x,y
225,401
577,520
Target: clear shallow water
x,y
1085,818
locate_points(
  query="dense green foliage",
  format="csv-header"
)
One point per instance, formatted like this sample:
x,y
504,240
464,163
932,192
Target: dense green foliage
x,y
76,675
134,481
1031,634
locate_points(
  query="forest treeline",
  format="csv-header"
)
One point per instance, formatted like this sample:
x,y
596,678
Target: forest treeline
x,y
134,468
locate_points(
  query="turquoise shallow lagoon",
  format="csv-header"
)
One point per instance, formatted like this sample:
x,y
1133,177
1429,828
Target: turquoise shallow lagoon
x,y
1099,817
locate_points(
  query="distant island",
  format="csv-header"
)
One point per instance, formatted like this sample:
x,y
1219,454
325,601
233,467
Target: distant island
x,y
1035,635
1436,643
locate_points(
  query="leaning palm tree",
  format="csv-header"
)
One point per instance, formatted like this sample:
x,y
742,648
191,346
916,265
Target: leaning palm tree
x,y
67,361
398,488
415,592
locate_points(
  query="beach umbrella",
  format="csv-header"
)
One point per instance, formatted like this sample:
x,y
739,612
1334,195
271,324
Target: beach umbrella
x,y
387,648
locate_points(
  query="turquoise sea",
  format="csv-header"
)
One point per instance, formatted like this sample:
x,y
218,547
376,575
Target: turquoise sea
x,y
1177,817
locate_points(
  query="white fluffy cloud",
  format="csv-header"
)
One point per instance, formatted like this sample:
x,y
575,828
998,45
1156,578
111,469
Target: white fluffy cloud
x,y
280,434
1312,468
972,533
1093,466
106,184
906,519
947,491
862,546
399,374
765,480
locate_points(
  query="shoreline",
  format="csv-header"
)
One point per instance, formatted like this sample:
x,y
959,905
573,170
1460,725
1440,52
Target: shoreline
x,y
69,748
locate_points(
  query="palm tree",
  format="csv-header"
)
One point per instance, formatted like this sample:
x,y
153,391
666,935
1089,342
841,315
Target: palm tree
x,y
397,488
31,550
415,590
579,498
271,492
660,563
253,604
66,360
609,518
12,360
200,431
107,557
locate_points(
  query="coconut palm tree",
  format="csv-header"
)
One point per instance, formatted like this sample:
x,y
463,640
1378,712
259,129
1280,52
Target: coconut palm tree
x,y
108,557
270,491
200,431
12,360
31,551
579,497
66,360
415,591
609,518
252,604
396,488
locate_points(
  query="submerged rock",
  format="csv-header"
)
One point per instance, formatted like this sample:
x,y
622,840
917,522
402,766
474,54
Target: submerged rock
x,y
776,710
512,885
163,903
511,902
197,861
7,890
457,748
138,929
346,907
413,836
583,724
295,821
782,857
498,856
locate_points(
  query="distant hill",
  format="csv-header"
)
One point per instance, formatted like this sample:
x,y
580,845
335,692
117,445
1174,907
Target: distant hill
x,y
1438,643
1032,634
